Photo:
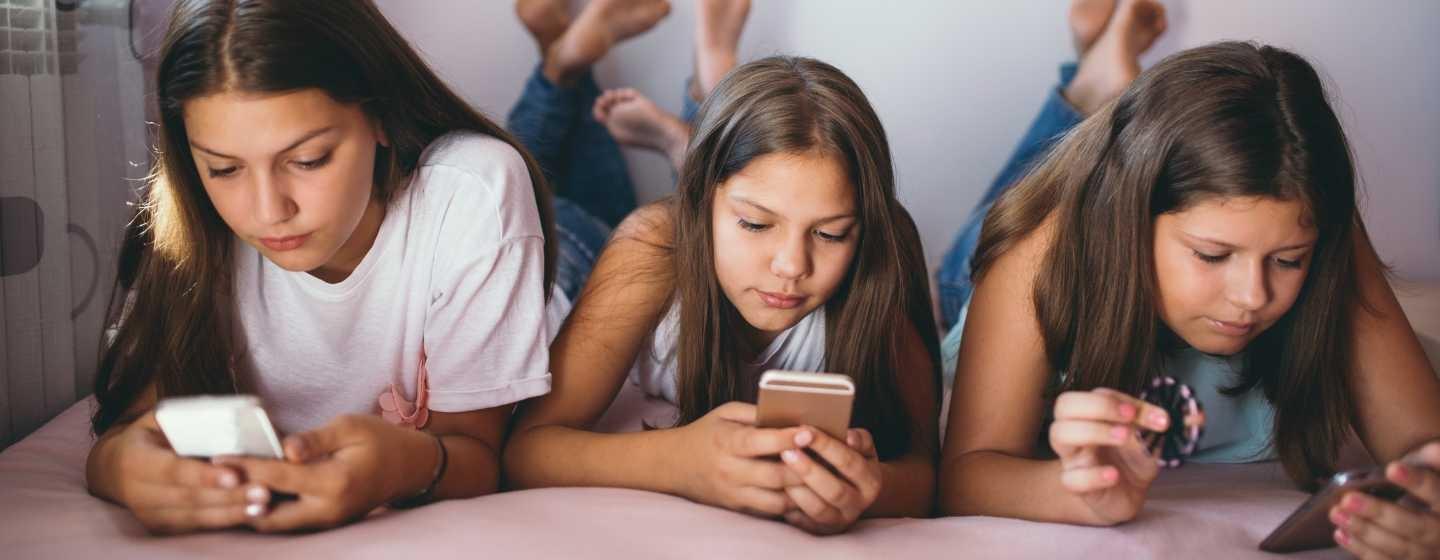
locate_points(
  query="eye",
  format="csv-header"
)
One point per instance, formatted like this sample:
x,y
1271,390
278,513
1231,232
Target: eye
x,y
752,226
1295,264
221,173
1212,259
314,163
831,237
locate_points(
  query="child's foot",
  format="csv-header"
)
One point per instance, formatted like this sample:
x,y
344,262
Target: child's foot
x,y
1114,60
1087,20
718,24
601,25
546,20
636,121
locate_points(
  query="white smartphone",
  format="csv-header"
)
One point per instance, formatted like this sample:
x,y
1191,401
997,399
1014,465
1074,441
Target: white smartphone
x,y
1309,527
792,398
212,426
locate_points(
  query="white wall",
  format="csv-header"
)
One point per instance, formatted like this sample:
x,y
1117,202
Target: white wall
x,y
956,82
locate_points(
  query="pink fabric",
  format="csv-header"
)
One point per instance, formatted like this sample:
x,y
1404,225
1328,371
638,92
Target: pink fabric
x,y
393,405
1198,511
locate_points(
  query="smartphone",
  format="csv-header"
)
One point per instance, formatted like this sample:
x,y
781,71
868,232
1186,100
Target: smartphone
x,y
792,398
211,426
1309,527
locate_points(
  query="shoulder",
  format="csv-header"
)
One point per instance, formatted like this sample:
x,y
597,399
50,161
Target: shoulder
x,y
469,180
652,224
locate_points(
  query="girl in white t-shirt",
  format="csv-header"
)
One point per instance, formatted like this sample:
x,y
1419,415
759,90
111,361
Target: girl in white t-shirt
x,y
785,247
330,227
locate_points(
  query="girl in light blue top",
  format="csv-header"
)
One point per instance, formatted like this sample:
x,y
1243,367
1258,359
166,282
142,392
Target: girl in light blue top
x,y
1201,225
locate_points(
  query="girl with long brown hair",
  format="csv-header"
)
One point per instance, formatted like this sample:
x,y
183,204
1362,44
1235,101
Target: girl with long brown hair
x,y
1203,225
784,248
329,226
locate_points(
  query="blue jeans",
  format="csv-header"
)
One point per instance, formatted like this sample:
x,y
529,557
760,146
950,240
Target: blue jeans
x,y
1055,119
582,162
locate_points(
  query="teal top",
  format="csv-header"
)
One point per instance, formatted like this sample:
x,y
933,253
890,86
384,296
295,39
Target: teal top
x,y
1238,429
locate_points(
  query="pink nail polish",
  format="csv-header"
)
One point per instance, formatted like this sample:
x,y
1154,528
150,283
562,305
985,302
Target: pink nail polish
x,y
803,438
1340,518
257,495
1342,538
1111,475
1399,473
1127,411
1160,420
229,480
1118,433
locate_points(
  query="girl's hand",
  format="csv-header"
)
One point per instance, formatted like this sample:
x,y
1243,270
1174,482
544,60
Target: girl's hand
x,y
728,462
1102,458
1373,528
341,472
170,494
832,496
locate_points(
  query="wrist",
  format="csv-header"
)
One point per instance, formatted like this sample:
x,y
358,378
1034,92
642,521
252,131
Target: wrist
x,y
418,469
673,462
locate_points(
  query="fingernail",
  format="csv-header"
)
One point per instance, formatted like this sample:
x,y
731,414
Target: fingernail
x,y
803,438
1353,503
228,479
1118,433
1399,473
1110,475
1339,518
1159,420
1342,537
788,456
254,510
1127,412
257,495
851,440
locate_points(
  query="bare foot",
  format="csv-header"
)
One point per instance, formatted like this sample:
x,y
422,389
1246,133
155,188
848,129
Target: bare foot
x,y
601,25
718,25
546,20
635,120
1087,20
1114,60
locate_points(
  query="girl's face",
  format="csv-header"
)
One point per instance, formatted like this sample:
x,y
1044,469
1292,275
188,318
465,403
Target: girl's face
x,y
1229,268
291,174
785,231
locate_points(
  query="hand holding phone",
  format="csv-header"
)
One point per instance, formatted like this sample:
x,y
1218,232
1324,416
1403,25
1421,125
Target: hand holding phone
x,y
213,426
1309,526
793,398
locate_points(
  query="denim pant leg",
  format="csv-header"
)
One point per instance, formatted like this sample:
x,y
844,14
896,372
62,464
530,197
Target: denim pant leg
x,y
597,176
688,106
579,238
543,119
1055,119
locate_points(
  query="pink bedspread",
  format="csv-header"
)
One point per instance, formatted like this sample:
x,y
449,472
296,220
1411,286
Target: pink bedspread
x,y
1199,511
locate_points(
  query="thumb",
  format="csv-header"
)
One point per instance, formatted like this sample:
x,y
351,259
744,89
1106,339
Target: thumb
x,y
321,442
739,412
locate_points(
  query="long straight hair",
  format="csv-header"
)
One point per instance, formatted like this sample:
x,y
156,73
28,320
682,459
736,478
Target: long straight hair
x,y
1227,120
795,105
172,292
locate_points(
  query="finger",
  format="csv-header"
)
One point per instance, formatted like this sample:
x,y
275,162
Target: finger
x,y
1421,482
739,412
814,507
1392,518
1110,406
860,440
853,465
763,442
1377,539
760,502
1086,433
760,474
1089,479
280,476
191,472
319,443
805,523
185,497
299,514
1427,455
184,520
830,488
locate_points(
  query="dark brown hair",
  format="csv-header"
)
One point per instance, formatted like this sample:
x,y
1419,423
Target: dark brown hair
x,y
1226,120
795,105
175,262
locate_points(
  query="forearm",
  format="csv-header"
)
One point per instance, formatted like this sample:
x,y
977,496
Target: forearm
x,y
100,468
472,469
996,484
907,488
555,455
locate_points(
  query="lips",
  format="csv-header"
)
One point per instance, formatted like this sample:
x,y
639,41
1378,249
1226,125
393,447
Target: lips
x,y
1231,328
781,300
284,243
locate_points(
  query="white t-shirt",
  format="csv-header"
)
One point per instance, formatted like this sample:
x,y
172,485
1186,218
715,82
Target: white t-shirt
x,y
799,348
457,270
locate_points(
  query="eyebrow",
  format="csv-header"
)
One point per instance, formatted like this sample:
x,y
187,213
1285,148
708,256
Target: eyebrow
x,y
1230,246
303,139
751,203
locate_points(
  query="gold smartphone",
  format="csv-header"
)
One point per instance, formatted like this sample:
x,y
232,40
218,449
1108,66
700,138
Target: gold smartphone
x,y
792,398
1309,527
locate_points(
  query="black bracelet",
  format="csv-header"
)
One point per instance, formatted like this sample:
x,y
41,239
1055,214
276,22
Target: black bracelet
x,y
425,496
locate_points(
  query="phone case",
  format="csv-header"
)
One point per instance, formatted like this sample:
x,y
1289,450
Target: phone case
x,y
210,426
790,398
1309,527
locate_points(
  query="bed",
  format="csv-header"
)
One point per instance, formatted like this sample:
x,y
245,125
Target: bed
x,y
1198,511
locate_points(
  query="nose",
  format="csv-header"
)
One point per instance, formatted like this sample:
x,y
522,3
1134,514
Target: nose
x,y
273,204
792,258
1249,289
